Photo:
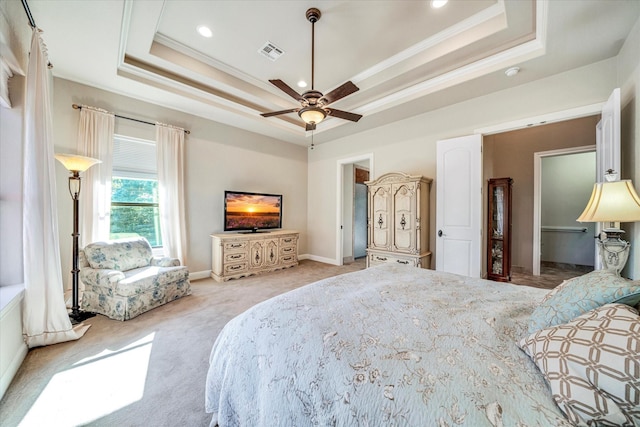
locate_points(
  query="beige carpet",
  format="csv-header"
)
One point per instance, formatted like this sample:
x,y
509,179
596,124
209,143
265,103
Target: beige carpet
x,y
148,371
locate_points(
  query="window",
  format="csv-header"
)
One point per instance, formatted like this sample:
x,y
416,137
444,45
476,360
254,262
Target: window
x,y
134,190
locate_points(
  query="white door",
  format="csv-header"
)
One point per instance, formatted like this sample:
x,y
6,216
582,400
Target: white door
x,y
459,205
608,137
607,147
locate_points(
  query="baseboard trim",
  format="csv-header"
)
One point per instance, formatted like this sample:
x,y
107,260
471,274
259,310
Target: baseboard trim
x,y
200,275
318,258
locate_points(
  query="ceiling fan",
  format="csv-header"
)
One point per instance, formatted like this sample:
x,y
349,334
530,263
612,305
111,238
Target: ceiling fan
x,y
313,104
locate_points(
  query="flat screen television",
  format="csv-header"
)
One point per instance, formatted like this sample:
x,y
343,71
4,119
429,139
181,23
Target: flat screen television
x,y
252,211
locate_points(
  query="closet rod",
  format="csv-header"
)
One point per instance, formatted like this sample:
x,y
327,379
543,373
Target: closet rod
x,y
29,15
79,107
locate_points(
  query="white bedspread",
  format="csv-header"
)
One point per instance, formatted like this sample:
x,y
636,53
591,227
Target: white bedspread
x,y
387,346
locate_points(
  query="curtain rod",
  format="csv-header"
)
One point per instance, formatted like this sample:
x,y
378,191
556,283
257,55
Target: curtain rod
x,y
79,107
28,12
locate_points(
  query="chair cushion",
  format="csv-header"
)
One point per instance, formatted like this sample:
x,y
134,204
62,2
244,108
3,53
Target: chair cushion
x,y
123,255
141,280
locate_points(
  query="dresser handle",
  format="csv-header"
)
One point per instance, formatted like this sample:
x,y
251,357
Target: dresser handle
x,y
287,240
235,245
287,249
380,258
236,256
402,262
235,267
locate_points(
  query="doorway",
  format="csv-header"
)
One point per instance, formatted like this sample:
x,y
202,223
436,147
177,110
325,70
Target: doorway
x,y
352,208
563,180
511,154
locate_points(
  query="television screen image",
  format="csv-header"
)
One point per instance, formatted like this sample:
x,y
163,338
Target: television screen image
x,y
252,211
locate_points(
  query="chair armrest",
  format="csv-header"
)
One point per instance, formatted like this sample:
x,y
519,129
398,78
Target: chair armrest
x,y
165,262
101,277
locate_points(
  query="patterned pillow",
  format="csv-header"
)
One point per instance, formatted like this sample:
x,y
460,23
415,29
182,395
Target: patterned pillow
x,y
581,294
592,365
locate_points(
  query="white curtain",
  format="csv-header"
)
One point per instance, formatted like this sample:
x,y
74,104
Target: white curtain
x,y
170,153
95,139
45,318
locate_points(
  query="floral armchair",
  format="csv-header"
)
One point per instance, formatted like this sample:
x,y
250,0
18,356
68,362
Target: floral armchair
x,y
123,279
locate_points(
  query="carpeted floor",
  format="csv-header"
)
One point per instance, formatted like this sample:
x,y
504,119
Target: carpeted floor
x,y
150,371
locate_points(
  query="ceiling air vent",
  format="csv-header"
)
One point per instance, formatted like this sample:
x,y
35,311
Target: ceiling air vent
x,y
271,51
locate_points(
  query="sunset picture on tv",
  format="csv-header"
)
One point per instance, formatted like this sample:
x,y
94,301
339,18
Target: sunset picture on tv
x,y
246,211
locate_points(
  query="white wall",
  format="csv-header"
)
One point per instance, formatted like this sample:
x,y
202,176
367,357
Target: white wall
x,y
566,185
218,158
410,145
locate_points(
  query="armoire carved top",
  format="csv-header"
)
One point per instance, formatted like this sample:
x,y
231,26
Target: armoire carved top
x,y
394,177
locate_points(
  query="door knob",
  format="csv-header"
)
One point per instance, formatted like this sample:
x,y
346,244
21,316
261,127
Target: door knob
x,y
440,233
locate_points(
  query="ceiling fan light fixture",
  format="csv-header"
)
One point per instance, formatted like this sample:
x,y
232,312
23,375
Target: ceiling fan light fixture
x,y
312,115
205,31
437,4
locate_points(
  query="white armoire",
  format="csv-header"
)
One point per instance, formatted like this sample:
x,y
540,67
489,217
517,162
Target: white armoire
x,y
398,220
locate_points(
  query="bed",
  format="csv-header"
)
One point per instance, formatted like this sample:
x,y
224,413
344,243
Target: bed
x,y
390,345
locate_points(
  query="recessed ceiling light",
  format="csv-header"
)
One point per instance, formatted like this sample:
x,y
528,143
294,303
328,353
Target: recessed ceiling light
x,y
302,83
437,4
205,31
512,71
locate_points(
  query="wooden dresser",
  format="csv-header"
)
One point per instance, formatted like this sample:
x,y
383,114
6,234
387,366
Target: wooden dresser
x,y
398,220
235,255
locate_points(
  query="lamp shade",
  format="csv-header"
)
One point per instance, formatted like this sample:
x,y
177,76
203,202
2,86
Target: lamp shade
x,y
312,115
615,201
76,163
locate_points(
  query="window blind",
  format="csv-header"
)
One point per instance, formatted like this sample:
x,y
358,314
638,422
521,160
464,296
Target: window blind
x,y
134,158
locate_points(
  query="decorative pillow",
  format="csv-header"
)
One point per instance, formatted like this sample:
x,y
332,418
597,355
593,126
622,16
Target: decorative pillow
x,y
123,255
581,294
592,365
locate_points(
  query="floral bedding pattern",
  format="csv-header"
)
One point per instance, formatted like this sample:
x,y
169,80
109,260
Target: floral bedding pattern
x,y
387,346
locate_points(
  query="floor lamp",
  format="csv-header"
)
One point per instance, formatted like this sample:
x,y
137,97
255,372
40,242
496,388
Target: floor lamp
x,y
75,165
612,203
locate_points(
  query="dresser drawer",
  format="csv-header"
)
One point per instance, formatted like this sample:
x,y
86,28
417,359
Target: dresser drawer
x,y
236,246
288,241
375,259
289,259
288,250
236,268
235,257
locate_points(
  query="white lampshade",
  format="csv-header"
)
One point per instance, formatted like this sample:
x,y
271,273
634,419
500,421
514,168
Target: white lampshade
x,y
615,201
312,115
76,163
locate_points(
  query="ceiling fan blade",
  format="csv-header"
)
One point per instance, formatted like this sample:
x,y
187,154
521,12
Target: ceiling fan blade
x,y
340,92
343,114
287,89
310,126
276,113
